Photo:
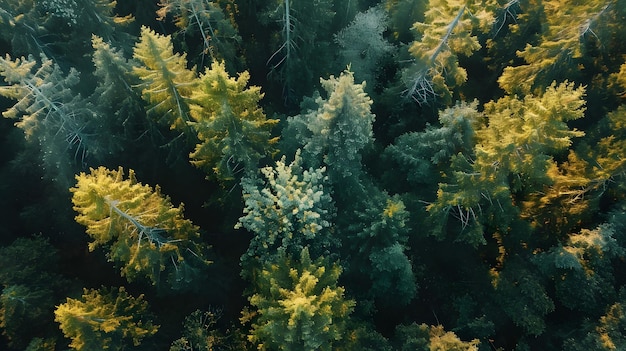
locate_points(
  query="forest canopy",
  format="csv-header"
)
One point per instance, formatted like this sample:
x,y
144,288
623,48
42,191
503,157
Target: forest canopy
x,y
305,175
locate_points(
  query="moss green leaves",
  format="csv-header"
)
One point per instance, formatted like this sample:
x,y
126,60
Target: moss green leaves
x,y
146,235
105,319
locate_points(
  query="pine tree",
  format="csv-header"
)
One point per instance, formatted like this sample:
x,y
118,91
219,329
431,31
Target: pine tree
x,y
299,305
513,154
336,132
302,44
363,45
49,112
234,132
287,211
102,319
167,83
569,28
219,37
120,108
145,234
445,33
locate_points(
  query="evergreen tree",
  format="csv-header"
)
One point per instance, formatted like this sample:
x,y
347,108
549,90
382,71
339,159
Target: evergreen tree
x,y
299,305
145,234
49,112
120,108
302,44
30,283
445,33
105,319
234,132
569,29
167,83
335,132
218,34
362,45
290,210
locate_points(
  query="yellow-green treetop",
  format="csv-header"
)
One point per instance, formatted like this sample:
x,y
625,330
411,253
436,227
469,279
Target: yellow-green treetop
x,y
147,236
569,26
233,130
167,82
105,319
513,151
300,307
447,31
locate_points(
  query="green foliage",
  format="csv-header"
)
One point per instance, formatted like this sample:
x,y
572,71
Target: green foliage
x,y
513,152
422,337
167,83
302,43
569,28
445,33
39,344
300,307
375,237
28,280
290,210
234,132
48,111
582,268
521,294
363,45
114,96
603,333
421,155
102,319
146,235
219,37
336,132
23,309
28,261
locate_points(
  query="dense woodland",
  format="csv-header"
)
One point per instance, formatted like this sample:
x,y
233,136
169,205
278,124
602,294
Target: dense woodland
x,y
356,175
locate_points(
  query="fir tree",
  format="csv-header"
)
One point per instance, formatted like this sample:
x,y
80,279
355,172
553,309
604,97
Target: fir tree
x,y
299,305
145,234
167,83
218,34
234,132
445,33
102,319
363,45
49,112
287,211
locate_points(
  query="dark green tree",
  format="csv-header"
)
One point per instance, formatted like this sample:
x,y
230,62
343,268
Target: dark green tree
x,y
218,34
50,112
